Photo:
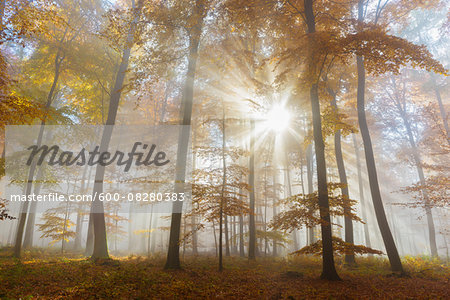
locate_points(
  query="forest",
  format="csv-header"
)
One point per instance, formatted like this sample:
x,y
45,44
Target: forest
x,y
224,149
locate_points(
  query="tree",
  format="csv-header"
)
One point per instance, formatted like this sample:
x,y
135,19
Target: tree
x,y
362,198
19,20
299,214
402,52
100,250
399,102
57,228
221,190
328,267
112,220
335,123
195,25
61,39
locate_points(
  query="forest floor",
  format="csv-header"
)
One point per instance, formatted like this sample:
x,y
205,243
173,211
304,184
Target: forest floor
x,y
45,275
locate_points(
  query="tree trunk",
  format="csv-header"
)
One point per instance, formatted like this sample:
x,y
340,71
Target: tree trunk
x,y
59,58
418,163
289,194
386,234
66,217
241,236
234,236
251,182
184,234
227,237
224,183
149,232
241,229
80,217
361,194
215,236
100,242
222,198
266,241
328,267
153,236
29,230
90,235
220,236
173,253
349,258
309,174
194,217
442,111
274,210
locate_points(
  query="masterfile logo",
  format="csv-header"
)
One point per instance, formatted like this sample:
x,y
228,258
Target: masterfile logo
x,y
91,158
134,168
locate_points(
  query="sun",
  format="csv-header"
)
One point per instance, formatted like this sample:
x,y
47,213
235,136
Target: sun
x,y
278,118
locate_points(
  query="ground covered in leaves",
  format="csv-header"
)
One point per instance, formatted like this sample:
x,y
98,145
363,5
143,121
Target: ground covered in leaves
x,y
42,275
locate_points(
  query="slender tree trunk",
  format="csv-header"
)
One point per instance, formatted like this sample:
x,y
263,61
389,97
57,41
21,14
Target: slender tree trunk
x,y
251,182
386,234
394,229
90,235
221,236
80,218
153,236
149,232
444,238
418,163
259,220
235,241
215,236
302,180
241,229
78,230
184,234
66,217
241,220
131,236
309,174
59,58
442,111
266,241
29,230
194,217
289,194
361,194
274,210
328,267
173,253
241,236
100,242
224,183
349,258
164,104
28,240
227,237
222,198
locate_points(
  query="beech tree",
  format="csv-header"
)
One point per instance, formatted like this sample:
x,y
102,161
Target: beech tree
x,y
377,39
61,37
100,249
